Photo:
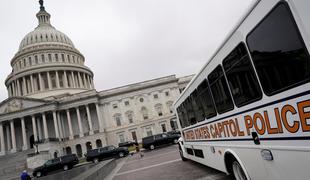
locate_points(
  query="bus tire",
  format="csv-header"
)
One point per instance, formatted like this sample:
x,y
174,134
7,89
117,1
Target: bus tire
x,y
237,171
182,157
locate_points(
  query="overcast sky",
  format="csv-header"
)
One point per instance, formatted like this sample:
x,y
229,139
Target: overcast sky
x,y
126,41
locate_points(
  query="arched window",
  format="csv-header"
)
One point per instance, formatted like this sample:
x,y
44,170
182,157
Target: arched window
x,y
159,109
68,150
129,115
78,149
89,146
118,119
98,143
144,113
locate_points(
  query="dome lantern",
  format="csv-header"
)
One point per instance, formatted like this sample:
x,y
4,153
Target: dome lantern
x,y
43,16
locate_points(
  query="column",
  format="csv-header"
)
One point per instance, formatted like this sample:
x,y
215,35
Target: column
x,y
32,85
88,82
79,122
8,137
92,82
59,125
55,124
65,80
99,118
2,140
34,128
13,87
45,126
69,124
49,81
41,82
57,80
91,131
85,82
13,138
9,90
25,146
24,85
18,88
73,79
39,128
80,80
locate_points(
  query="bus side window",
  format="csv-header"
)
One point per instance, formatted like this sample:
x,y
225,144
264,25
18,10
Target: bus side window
x,y
190,111
205,99
278,51
220,91
198,109
241,77
183,116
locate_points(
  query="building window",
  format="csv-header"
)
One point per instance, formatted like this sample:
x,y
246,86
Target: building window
x,y
121,138
141,99
42,58
53,79
163,128
155,96
49,57
56,57
148,131
126,103
134,136
170,107
118,119
36,59
144,113
159,109
25,63
130,116
68,57
167,93
62,57
30,61
114,106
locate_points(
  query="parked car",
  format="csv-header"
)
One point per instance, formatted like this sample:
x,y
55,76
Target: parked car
x,y
96,155
64,162
153,141
173,132
127,144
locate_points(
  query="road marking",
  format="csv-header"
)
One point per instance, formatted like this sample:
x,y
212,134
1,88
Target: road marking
x,y
212,177
148,167
144,158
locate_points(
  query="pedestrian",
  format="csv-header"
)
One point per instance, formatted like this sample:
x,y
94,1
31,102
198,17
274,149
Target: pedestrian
x,y
138,151
25,176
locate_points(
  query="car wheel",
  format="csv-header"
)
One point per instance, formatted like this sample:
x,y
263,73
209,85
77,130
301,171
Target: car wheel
x,y
121,154
66,167
175,141
38,174
238,171
152,147
96,160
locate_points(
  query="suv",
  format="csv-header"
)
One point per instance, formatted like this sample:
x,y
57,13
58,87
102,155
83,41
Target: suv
x,y
151,142
127,144
64,162
96,155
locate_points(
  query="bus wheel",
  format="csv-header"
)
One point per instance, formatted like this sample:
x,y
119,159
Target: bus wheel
x,y
182,157
152,147
238,171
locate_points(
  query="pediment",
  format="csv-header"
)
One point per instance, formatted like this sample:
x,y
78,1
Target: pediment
x,y
19,103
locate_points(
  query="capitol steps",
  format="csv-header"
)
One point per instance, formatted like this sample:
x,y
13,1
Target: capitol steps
x,y
11,165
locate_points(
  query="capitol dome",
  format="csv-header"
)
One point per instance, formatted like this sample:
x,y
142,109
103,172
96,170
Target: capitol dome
x,y
47,64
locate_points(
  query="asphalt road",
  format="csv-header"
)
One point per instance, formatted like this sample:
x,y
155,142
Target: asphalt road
x,y
163,164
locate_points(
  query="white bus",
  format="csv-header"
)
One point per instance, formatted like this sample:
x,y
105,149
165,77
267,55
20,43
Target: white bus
x,y
247,112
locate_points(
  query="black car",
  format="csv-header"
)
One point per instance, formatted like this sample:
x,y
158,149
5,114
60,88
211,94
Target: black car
x,y
127,144
153,141
96,155
64,162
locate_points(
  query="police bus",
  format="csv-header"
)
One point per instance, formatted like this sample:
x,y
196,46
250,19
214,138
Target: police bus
x,y
247,112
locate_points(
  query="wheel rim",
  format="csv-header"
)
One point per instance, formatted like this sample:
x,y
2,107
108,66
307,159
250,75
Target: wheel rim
x,y
238,171
121,154
152,147
96,160
65,167
38,174
175,141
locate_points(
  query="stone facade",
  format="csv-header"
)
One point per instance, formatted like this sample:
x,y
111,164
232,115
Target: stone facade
x,y
53,105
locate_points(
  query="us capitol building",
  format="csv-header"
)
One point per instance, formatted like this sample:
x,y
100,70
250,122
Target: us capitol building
x,y
53,105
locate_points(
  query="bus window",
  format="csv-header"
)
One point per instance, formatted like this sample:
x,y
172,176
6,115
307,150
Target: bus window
x,y
190,111
241,76
205,98
278,51
198,109
220,91
182,116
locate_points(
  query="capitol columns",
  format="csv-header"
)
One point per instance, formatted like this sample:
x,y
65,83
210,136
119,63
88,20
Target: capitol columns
x,y
79,121
73,80
13,138
2,140
24,86
49,80
57,80
34,127
25,146
55,124
99,118
41,82
65,80
45,126
69,124
91,131
32,83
